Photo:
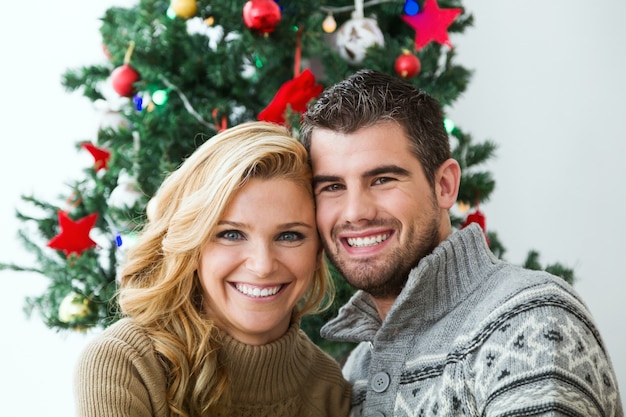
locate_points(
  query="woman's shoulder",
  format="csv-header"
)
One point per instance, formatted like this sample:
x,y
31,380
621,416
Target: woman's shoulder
x,y
124,336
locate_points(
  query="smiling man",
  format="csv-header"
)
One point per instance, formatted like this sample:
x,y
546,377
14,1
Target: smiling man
x,y
444,327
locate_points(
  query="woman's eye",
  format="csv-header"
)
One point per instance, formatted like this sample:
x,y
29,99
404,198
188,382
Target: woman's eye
x,y
291,237
230,235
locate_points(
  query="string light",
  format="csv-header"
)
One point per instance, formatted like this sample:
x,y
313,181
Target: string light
x,y
159,97
411,7
170,13
138,102
449,125
329,25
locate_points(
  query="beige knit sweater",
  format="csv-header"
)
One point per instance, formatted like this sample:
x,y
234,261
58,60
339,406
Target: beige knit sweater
x,y
118,375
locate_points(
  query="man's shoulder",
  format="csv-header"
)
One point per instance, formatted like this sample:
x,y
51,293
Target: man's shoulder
x,y
517,283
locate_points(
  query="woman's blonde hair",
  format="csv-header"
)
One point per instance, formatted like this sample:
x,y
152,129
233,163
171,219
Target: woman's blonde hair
x,y
160,289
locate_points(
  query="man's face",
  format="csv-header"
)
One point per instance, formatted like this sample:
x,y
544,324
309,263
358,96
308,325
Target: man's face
x,y
376,212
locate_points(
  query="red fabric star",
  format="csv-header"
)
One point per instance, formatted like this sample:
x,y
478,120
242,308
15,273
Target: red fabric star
x,y
100,156
431,24
74,235
296,93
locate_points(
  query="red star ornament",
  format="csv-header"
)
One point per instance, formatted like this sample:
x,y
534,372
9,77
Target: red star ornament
x,y
101,156
431,24
74,235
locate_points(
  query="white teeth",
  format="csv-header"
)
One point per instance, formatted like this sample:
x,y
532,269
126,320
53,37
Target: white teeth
x,y
256,291
368,241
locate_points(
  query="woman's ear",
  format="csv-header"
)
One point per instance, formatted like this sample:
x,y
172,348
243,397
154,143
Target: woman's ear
x,y
447,182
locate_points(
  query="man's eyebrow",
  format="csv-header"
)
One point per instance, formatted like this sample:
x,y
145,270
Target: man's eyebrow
x,y
380,170
386,169
324,178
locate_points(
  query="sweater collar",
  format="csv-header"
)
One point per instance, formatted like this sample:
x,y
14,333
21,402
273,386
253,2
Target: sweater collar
x,y
435,286
270,372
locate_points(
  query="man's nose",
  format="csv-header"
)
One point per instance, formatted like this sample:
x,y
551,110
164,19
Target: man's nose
x,y
359,205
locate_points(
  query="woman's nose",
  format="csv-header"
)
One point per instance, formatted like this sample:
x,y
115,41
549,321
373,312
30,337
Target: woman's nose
x,y
261,260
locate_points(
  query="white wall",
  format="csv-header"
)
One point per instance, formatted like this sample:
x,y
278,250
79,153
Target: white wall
x,y
548,88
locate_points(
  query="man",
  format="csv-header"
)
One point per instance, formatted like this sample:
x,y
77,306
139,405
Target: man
x,y
444,327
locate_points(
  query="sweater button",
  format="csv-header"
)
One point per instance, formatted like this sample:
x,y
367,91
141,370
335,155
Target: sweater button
x,y
380,382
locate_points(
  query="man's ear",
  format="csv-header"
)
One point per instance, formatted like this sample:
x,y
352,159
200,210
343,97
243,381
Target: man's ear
x,y
447,182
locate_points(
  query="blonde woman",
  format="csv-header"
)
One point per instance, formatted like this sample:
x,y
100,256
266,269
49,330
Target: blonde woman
x,y
213,292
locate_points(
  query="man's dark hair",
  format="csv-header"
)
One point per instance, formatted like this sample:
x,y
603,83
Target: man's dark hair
x,y
368,97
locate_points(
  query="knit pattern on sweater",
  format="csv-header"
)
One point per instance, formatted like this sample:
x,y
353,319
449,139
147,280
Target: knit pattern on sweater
x,y
473,336
119,375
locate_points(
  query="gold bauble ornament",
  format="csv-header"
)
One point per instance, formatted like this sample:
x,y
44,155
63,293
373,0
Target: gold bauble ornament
x,y
184,8
73,307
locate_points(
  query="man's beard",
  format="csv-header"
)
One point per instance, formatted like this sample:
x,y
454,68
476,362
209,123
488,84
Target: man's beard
x,y
388,277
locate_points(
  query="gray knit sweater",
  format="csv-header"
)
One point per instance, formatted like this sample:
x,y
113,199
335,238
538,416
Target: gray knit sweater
x,y
471,335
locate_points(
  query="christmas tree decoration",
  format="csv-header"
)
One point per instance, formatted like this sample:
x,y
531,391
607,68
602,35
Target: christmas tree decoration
x,y
124,77
295,94
407,65
329,25
74,307
462,206
74,235
222,124
160,97
184,8
101,156
431,24
355,36
411,7
127,192
449,125
113,120
261,15
477,217
151,208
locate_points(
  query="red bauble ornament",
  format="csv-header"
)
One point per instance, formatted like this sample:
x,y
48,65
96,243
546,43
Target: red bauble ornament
x,y
407,65
261,15
123,78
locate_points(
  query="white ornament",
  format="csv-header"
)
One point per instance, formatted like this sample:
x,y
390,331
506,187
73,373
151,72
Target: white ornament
x,y
126,194
113,120
355,36
151,209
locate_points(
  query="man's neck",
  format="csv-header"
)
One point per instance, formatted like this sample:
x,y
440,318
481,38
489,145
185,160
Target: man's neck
x,y
383,305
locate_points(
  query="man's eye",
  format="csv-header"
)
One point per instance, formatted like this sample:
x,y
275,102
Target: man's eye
x,y
332,187
230,235
291,237
382,180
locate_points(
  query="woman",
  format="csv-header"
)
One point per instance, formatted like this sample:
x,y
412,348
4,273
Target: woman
x,y
213,292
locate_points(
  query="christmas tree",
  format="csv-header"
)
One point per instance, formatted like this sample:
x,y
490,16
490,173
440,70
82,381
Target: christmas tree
x,y
176,72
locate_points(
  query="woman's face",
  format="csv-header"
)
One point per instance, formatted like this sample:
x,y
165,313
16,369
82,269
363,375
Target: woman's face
x,y
260,260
